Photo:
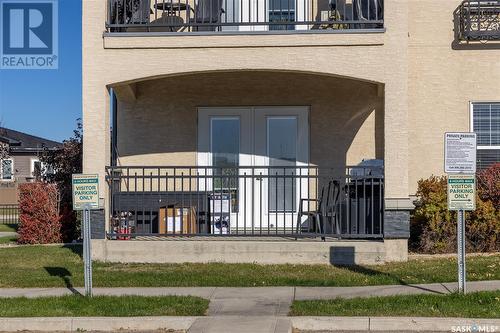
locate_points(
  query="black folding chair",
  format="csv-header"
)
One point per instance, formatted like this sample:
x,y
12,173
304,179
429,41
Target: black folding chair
x,y
325,212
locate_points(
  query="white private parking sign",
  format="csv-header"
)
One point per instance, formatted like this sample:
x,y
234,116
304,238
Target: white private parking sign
x,y
460,153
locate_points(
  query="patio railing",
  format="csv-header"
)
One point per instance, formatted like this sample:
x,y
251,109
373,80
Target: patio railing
x,y
174,16
9,214
478,20
246,201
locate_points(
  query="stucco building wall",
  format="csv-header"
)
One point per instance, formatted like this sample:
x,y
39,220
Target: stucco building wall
x,y
443,78
365,57
419,77
160,126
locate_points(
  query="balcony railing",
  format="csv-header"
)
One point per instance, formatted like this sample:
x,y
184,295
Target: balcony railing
x,y
288,201
177,16
478,20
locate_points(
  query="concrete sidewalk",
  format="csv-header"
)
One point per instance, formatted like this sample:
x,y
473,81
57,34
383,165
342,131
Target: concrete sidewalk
x,y
266,293
260,309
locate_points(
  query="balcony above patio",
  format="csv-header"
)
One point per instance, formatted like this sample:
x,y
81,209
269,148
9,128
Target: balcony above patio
x,y
244,16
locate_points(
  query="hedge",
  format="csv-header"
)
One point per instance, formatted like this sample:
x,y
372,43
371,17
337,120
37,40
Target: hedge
x,y
39,221
433,226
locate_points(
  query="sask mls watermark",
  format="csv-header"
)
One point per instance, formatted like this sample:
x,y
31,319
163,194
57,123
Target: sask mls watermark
x,y
475,328
28,34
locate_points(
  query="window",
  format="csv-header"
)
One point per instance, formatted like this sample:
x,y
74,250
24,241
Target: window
x,y
39,168
281,11
485,121
7,169
36,168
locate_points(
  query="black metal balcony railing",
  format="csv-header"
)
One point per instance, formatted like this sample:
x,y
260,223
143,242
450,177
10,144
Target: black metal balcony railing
x,y
242,15
246,201
478,20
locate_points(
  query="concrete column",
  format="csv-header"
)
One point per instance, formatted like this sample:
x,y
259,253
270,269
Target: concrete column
x,y
95,95
397,204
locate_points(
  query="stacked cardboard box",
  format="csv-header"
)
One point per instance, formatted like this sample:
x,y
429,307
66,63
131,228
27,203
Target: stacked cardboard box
x,y
177,220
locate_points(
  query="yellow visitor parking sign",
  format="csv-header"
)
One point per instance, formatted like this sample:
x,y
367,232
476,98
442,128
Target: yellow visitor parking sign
x,y
461,192
85,191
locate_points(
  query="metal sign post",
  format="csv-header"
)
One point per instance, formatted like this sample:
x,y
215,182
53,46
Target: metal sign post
x,y
460,164
461,251
87,252
461,197
86,198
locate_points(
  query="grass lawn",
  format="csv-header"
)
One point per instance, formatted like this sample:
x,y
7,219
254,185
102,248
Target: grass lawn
x,y
103,306
60,266
474,305
8,227
8,240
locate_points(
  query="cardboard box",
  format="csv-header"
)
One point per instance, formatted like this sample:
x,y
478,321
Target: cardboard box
x,y
171,222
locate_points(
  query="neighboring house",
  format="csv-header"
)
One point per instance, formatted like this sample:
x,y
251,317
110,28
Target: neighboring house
x,y
278,120
22,163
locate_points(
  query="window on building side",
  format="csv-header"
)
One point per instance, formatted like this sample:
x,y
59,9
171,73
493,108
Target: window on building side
x,y
36,168
486,124
7,169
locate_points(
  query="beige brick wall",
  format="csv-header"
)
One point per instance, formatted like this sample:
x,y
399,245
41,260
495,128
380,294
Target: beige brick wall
x,y
9,195
160,126
427,81
379,58
443,78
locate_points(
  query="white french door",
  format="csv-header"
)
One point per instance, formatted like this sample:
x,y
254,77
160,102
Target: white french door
x,y
261,11
268,145
281,149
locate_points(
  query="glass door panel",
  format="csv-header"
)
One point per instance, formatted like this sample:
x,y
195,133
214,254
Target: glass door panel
x,y
282,155
225,152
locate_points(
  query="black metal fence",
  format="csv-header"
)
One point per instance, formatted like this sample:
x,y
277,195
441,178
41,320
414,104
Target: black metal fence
x,y
246,201
478,20
9,214
242,15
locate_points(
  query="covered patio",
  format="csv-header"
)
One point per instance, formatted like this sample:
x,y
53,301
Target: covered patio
x,y
247,153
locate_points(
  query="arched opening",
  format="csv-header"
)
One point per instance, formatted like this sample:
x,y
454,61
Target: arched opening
x,y
274,141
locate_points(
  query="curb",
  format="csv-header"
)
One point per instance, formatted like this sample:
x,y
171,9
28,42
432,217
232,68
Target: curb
x,y
72,324
413,324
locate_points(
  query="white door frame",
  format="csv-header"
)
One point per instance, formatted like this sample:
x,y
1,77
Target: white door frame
x,y
204,152
287,220
253,153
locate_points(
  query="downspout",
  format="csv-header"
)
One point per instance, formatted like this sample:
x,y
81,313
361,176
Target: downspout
x,y
114,128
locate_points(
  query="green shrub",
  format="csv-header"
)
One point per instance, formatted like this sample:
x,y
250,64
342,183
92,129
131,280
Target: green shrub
x,y
433,227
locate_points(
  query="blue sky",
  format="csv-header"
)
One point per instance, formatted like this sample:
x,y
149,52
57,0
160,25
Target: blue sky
x,y
47,103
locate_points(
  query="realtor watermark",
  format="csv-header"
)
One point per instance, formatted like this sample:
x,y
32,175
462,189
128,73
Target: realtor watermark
x,y
475,328
29,34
